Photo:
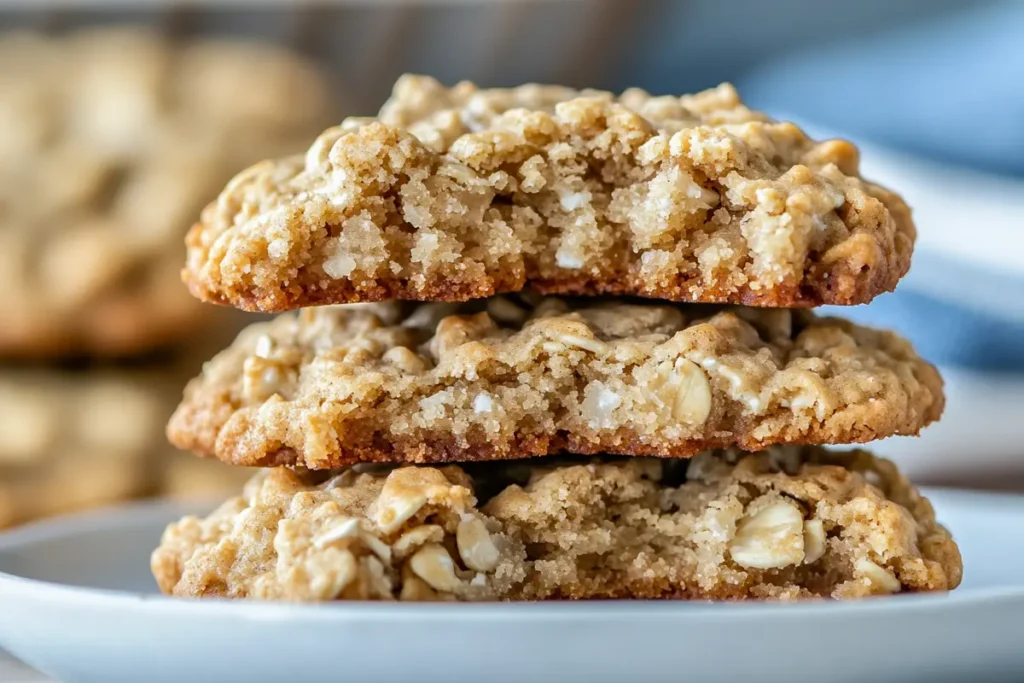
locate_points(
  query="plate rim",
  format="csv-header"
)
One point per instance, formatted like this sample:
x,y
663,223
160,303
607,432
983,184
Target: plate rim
x,y
141,513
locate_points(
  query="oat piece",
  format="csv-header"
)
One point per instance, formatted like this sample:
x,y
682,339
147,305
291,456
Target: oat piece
x,y
332,386
104,161
460,193
787,523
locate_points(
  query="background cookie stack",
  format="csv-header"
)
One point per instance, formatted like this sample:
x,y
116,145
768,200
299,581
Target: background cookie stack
x,y
110,140
552,406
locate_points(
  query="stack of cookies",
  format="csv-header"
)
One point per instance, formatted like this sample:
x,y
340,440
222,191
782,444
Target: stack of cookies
x,y
531,428
110,141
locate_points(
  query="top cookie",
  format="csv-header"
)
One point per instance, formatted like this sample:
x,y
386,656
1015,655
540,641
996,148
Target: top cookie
x,y
110,142
459,193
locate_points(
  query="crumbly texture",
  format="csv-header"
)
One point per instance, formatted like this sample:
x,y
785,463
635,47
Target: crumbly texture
x,y
104,161
75,440
332,386
788,523
459,193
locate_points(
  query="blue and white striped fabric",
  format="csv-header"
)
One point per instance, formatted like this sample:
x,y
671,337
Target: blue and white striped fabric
x,y
951,89
946,333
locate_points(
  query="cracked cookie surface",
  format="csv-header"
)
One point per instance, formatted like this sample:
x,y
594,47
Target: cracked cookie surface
x,y
506,378
459,193
789,523
104,161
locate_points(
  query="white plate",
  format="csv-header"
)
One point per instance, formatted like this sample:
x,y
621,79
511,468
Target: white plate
x,y
77,601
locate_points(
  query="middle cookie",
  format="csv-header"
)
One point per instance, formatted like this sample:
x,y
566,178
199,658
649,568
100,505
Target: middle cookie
x,y
504,378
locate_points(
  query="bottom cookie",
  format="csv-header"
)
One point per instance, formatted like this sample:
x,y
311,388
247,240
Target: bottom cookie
x,y
786,523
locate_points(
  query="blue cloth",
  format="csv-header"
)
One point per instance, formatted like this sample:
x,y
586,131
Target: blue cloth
x,y
944,333
951,89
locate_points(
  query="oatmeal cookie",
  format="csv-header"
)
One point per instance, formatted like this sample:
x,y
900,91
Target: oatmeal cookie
x,y
788,523
104,161
459,193
502,378
72,440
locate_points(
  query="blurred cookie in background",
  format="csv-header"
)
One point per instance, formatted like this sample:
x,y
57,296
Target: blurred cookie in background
x,y
79,435
185,476
111,141
75,439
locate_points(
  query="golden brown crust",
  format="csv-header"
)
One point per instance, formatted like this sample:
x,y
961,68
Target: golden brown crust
x,y
841,285
443,383
103,163
789,523
460,193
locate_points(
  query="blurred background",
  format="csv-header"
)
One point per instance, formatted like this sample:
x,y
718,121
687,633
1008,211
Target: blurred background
x,y
119,121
